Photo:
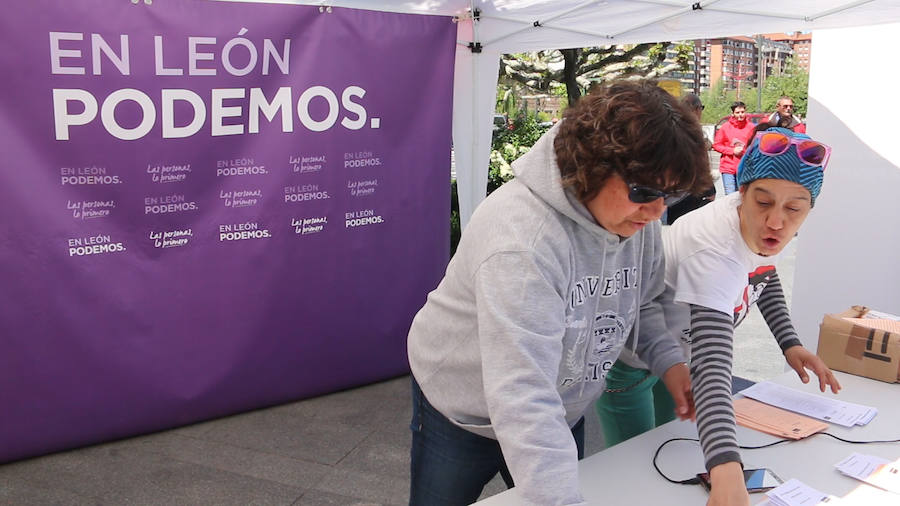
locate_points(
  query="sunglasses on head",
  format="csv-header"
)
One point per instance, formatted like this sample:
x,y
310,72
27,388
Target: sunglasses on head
x,y
810,152
644,195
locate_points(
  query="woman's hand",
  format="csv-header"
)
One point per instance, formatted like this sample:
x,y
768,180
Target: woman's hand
x,y
800,359
727,486
678,382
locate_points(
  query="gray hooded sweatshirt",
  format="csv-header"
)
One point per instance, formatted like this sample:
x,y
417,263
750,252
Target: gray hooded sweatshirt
x,y
515,342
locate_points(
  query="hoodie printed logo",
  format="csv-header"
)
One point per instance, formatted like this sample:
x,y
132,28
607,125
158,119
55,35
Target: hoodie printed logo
x,y
623,279
591,359
590,286
608,331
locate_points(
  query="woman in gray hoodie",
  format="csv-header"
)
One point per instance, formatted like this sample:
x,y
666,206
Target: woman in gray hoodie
x,y
551,274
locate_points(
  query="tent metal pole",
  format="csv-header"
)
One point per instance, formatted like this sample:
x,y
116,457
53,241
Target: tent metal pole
x,y
471,188
536,23
757,13
664,17
838,9
582,32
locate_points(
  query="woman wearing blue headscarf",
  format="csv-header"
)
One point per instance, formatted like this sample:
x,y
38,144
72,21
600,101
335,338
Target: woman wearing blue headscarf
x,y
720,260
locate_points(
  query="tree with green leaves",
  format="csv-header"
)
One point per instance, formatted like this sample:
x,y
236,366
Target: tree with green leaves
x,y
792,82
573,71
717,101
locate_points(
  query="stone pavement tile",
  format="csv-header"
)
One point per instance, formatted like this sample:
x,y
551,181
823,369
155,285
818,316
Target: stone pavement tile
x,y
493,487
379,405
226,457
195,429
319,498
382,452
23,493
375,487
281,432
123,477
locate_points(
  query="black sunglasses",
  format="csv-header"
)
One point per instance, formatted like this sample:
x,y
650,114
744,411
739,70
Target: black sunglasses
x,y
644,195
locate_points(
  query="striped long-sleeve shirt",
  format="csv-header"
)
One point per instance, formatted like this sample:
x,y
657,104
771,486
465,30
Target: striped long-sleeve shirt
x,y
712,334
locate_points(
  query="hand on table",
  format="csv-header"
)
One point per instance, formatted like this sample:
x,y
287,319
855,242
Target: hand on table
x,y
678,382
728,487
800,359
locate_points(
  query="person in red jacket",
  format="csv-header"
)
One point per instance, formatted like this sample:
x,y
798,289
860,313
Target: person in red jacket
x,y
730,141
784,116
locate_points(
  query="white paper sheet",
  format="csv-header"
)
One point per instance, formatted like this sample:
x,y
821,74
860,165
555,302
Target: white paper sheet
x,y
842,413
873,470
796,493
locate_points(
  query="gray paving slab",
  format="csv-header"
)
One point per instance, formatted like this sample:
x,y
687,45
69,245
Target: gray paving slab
x,y
282,432
375,487
383,452
374,406
226,457
21,492
320,498
114,475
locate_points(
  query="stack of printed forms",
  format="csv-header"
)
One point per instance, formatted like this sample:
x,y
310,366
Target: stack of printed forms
x,y
873,470
775,421
846,414
882,473
796,493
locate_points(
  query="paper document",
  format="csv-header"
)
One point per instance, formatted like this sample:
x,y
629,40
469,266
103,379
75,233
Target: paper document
x,y
873,470
776,421
842,413
881,315
796,493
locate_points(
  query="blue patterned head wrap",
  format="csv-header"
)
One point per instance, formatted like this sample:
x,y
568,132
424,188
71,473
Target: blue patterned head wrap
x,y
788,166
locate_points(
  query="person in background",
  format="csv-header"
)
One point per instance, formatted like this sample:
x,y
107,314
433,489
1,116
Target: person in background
x,y
553,271
691,202
784,116
720,261
730,141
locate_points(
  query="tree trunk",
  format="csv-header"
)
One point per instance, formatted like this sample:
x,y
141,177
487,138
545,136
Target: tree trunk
x,y
570,72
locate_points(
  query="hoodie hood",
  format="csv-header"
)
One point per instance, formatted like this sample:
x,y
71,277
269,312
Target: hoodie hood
x,y
531,170
738,123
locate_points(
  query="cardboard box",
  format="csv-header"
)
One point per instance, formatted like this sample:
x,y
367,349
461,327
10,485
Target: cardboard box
x,y
857,348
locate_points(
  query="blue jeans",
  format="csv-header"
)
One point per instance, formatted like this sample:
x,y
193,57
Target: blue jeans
x,y
450,465
729,183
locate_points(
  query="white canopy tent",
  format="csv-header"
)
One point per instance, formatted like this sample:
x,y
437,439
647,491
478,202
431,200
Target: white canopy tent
x,y
864,170
490,28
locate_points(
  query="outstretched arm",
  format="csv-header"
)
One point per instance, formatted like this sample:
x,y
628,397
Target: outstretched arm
x,y
774,309
712,334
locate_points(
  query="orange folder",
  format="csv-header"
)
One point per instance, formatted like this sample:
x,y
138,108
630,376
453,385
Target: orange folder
x,y
775,421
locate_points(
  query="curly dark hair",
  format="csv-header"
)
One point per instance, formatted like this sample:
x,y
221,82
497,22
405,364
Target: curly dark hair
x,y
634,129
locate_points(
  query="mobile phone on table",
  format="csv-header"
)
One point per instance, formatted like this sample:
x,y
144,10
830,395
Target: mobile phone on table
x,y
756,480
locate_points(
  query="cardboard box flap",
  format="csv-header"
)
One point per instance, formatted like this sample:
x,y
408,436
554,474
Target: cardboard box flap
x,y
858,348
892,326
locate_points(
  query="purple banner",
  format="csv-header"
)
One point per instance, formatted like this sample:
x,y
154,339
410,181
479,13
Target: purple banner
x,y
211,207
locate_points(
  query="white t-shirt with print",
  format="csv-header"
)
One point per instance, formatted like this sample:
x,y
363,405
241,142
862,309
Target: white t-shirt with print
x,y
709,264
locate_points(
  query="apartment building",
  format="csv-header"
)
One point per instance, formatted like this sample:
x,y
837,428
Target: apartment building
x,y
736,60
800,43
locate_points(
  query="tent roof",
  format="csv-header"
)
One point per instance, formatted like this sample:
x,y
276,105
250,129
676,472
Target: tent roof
x,y
510,25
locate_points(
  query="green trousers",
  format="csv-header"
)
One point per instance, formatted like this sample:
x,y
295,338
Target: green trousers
x,y
634,402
